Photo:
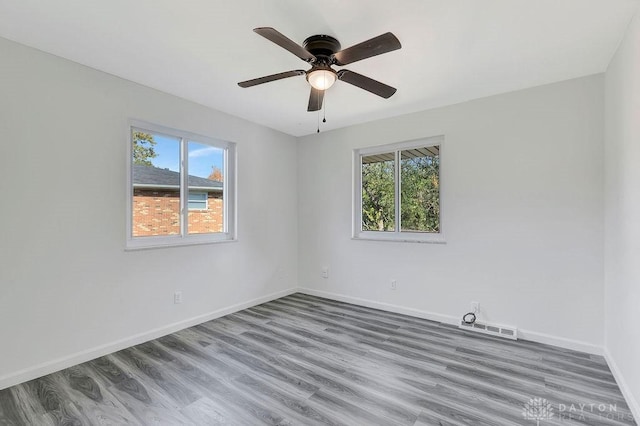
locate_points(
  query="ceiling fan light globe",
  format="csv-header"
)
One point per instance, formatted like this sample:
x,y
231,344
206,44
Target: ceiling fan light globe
x,y
321,79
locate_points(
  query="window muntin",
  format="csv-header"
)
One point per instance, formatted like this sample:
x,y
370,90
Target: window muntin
x,y
397,191
181,188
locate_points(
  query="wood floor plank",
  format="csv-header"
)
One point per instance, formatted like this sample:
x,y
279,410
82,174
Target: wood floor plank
x,y
57,405
293,407
147,403
30,407
305,360
206,412
15,410
218,402
94,401
351,413
203,357
182,395
262,368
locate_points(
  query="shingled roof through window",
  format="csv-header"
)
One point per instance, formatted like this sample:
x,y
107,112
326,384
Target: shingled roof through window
x,y
150,176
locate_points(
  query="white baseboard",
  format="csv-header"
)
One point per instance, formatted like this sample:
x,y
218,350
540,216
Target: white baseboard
x,y
89,354
448,319
632,402
562,342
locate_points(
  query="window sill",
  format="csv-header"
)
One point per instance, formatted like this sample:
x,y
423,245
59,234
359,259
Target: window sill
x,y
400,238
167,242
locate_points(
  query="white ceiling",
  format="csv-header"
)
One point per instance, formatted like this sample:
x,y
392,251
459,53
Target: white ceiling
x,y
452,50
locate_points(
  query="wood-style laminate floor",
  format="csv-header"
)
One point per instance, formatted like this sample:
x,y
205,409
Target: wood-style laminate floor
x,y
303,360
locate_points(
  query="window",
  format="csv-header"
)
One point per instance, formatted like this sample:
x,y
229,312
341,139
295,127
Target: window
x,y
197,200
181,188
397,192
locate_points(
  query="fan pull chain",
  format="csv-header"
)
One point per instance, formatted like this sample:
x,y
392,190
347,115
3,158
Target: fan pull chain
x,y
324,109
318,122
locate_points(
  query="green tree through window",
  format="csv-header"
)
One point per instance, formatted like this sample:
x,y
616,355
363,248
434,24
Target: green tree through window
x,y
143,148
378,205
416,188
420,193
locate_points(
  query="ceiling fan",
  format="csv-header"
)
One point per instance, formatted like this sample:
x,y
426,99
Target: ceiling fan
x,y
323,51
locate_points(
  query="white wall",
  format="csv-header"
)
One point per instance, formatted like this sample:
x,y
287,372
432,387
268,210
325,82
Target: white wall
x,y
523,215
68,290
622,214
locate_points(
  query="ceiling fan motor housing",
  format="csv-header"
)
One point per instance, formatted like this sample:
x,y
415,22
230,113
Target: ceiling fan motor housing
x,y
322,46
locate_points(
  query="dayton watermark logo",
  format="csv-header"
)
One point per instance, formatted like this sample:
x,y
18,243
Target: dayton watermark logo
x,y
538,409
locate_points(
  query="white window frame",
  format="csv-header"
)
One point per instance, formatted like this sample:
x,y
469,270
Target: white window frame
x,y
396,235
229,190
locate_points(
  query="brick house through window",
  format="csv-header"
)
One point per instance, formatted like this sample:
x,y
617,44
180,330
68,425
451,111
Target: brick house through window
x,y
156,203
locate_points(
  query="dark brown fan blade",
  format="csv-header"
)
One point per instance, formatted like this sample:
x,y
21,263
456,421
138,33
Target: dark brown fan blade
x,y
376,46
315,100
268,78
285,42
366,83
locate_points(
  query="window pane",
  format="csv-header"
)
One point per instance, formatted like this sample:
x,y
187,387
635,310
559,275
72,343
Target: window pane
x,y
156,184
206,189
420,190
378,206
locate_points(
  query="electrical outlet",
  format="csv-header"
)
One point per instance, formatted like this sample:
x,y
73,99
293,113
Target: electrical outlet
x,y
325,272
475,307
177,297
394,284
